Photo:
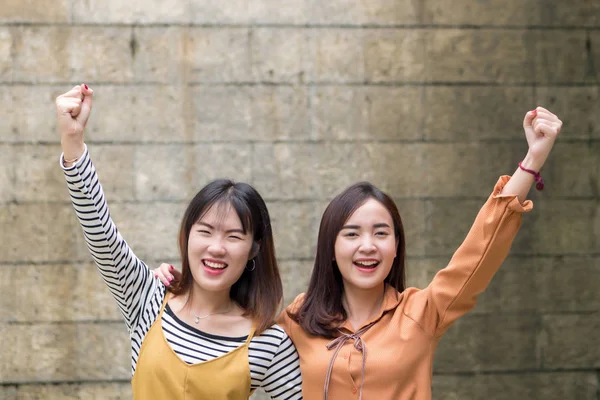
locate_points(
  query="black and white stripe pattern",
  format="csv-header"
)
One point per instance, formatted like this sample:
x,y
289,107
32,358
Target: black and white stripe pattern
x,y
271,354
274,363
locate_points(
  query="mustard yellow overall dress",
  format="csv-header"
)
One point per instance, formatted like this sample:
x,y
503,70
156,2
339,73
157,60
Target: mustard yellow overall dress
x,y
161,374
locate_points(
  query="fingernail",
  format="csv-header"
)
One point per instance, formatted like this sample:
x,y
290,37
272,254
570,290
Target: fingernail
x,y
534,112
86,87
156,276
170,267
170,278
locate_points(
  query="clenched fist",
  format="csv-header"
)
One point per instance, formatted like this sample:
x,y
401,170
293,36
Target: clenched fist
x,y
72,112
541,129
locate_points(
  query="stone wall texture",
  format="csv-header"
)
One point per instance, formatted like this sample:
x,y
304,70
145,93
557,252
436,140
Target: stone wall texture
x,y
424,98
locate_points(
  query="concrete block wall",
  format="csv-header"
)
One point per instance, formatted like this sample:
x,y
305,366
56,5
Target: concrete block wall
x,y
301,98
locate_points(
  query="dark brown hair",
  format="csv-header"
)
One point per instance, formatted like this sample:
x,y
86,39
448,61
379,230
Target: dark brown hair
x,y
321,311
259,292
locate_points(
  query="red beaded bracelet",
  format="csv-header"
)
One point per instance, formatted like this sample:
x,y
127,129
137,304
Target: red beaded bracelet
x,y
538,178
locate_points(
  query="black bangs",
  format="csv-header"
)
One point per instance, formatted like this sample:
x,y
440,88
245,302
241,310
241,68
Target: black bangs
x,y
224,193
240,205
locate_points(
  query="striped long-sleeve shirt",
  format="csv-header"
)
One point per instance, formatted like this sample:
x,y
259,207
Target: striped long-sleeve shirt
x,y
274,364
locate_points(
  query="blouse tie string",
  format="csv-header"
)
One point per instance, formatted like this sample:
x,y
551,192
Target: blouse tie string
x,y
359,345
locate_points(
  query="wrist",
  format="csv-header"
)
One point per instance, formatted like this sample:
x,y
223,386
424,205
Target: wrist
x,y
72,152
532,162
72,148
539,185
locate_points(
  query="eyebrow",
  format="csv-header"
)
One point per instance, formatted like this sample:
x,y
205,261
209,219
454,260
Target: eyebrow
x,y
380,225
209,226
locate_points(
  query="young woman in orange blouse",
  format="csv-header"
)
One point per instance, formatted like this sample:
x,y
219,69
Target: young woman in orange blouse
x,y
360,333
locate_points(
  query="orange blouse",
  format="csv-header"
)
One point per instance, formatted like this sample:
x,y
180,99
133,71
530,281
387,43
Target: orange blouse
x,y
401,342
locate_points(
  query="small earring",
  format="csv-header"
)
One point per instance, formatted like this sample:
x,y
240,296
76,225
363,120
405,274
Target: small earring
x,y
253,266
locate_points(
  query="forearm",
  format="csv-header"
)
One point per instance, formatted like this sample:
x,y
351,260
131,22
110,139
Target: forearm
x,y
454,289
73,149
521,181
127,277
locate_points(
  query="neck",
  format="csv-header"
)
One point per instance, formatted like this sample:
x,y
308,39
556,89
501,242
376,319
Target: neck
x,y
362,304
203,302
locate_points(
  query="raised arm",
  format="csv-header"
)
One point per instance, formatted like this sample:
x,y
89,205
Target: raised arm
x,y
127,277
73,110
541,129
454,290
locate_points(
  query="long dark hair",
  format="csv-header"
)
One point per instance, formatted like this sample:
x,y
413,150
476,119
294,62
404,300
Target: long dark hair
x,y
322,311
259,292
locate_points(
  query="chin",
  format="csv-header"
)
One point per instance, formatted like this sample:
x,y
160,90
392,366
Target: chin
x,y
367,284
214,286
209,284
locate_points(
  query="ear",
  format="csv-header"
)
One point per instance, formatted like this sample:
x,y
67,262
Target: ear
x,y
254,250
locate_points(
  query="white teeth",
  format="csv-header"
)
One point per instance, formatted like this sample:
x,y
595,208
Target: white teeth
x,y
214,265
367,263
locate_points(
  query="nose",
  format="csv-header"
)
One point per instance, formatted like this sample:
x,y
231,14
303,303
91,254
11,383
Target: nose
x,y
216,247
366,245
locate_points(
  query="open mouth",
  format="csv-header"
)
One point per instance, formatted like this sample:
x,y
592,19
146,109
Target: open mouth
x,y
366,265
214,267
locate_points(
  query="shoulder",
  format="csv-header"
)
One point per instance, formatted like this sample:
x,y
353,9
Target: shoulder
x,y
284,319
409,291
410,294
296,304
274,332
272,338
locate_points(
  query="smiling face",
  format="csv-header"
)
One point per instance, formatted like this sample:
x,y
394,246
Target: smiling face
x,y
218,248
365,247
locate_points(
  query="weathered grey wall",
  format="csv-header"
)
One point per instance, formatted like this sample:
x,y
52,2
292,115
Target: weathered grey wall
x,y
302,97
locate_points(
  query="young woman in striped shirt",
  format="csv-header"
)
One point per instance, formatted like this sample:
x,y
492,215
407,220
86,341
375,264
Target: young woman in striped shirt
x,y
213,335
